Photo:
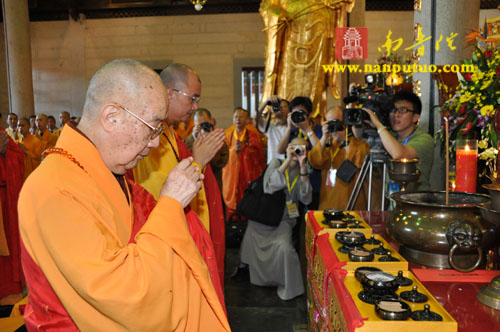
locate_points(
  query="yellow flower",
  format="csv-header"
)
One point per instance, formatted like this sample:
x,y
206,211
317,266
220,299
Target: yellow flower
x,y
466,97
488,154
487,110
483,144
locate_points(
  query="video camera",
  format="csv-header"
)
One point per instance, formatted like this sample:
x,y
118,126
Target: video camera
x,y
206,126
335,125
376,100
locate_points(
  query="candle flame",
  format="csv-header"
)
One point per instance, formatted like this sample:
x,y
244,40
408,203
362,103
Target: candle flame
x,y
467,147
404,160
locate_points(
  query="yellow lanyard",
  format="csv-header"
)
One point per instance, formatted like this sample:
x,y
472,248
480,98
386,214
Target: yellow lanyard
x,y
301,134
288,181
242,135
333,155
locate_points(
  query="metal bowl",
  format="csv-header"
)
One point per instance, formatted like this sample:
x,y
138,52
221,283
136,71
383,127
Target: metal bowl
x,y
350,237
488,214
441,235
494,190
404,166
360,255
392,309
380,281
363,270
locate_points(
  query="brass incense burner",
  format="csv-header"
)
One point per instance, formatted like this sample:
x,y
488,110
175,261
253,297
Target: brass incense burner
x,y
441,235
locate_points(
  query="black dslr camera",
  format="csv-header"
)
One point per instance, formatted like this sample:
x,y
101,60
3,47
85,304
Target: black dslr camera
x,y
298,116
335,125
276,107
206,126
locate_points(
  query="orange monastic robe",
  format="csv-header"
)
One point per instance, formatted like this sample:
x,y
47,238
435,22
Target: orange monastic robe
x,y
33,157
242,167
105,283
49,138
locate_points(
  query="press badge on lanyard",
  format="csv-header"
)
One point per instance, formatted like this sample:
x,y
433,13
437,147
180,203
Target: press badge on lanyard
x,y
331,174
293,211
394,187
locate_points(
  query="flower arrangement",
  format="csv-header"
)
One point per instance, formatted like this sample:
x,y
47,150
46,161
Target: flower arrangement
x,y
471,109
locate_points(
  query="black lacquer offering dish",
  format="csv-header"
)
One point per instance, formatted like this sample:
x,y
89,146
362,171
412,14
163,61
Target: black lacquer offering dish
x,y
380,250
414,296
361,271
336,224
392,309
403,281
426,315
373,241
388,258
350,237
380,282
360,254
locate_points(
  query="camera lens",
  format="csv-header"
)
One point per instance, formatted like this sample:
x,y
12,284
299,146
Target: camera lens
x,y
298,151
335,125
298,117
206,126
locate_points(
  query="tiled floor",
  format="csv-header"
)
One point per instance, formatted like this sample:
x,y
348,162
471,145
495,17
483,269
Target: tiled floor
x,y
259,309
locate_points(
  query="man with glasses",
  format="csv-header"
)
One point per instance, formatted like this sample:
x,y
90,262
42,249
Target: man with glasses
x,y
409,140
184,92
100,263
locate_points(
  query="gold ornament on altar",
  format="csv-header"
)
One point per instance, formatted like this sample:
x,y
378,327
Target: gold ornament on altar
x,y
198,4
300,39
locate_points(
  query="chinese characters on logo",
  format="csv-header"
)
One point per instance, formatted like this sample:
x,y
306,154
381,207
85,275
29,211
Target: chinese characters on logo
x,y
393,45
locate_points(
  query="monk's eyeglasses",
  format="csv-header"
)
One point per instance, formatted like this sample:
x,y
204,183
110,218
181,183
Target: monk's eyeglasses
x,y
155,131
194,99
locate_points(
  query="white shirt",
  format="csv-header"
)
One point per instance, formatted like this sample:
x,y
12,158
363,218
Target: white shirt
x,y
274,134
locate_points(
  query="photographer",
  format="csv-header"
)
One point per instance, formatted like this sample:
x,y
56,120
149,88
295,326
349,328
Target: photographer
x,y
275,127
299,124
331,156
409,141
203,124
267,250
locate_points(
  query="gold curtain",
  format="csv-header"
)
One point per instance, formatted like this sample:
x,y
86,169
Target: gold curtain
x,y
300,39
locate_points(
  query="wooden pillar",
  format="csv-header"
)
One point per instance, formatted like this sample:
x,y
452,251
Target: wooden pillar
x,y
18,49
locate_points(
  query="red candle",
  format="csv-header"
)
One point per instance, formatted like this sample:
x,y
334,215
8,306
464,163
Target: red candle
x,y
466,171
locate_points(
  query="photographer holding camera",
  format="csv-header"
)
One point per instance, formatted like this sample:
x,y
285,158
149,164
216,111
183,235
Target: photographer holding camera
x,y
273,129
409,141
269,251
339,163
203,124
299,124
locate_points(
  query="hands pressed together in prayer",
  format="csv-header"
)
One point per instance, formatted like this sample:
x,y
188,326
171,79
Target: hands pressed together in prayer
x,y
206,146
183,183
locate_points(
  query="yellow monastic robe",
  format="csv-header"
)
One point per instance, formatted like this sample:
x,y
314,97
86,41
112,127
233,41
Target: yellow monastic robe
x,y
159,283
12,133
338,196
49,138
33,158
152,171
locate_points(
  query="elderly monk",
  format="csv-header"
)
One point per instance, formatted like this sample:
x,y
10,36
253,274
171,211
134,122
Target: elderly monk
x,y
246,159
43,133
93,266
11,180
184,90
31,146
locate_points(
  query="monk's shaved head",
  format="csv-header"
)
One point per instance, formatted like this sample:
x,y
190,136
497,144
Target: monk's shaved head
x,y
119,81
334,113
176,75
